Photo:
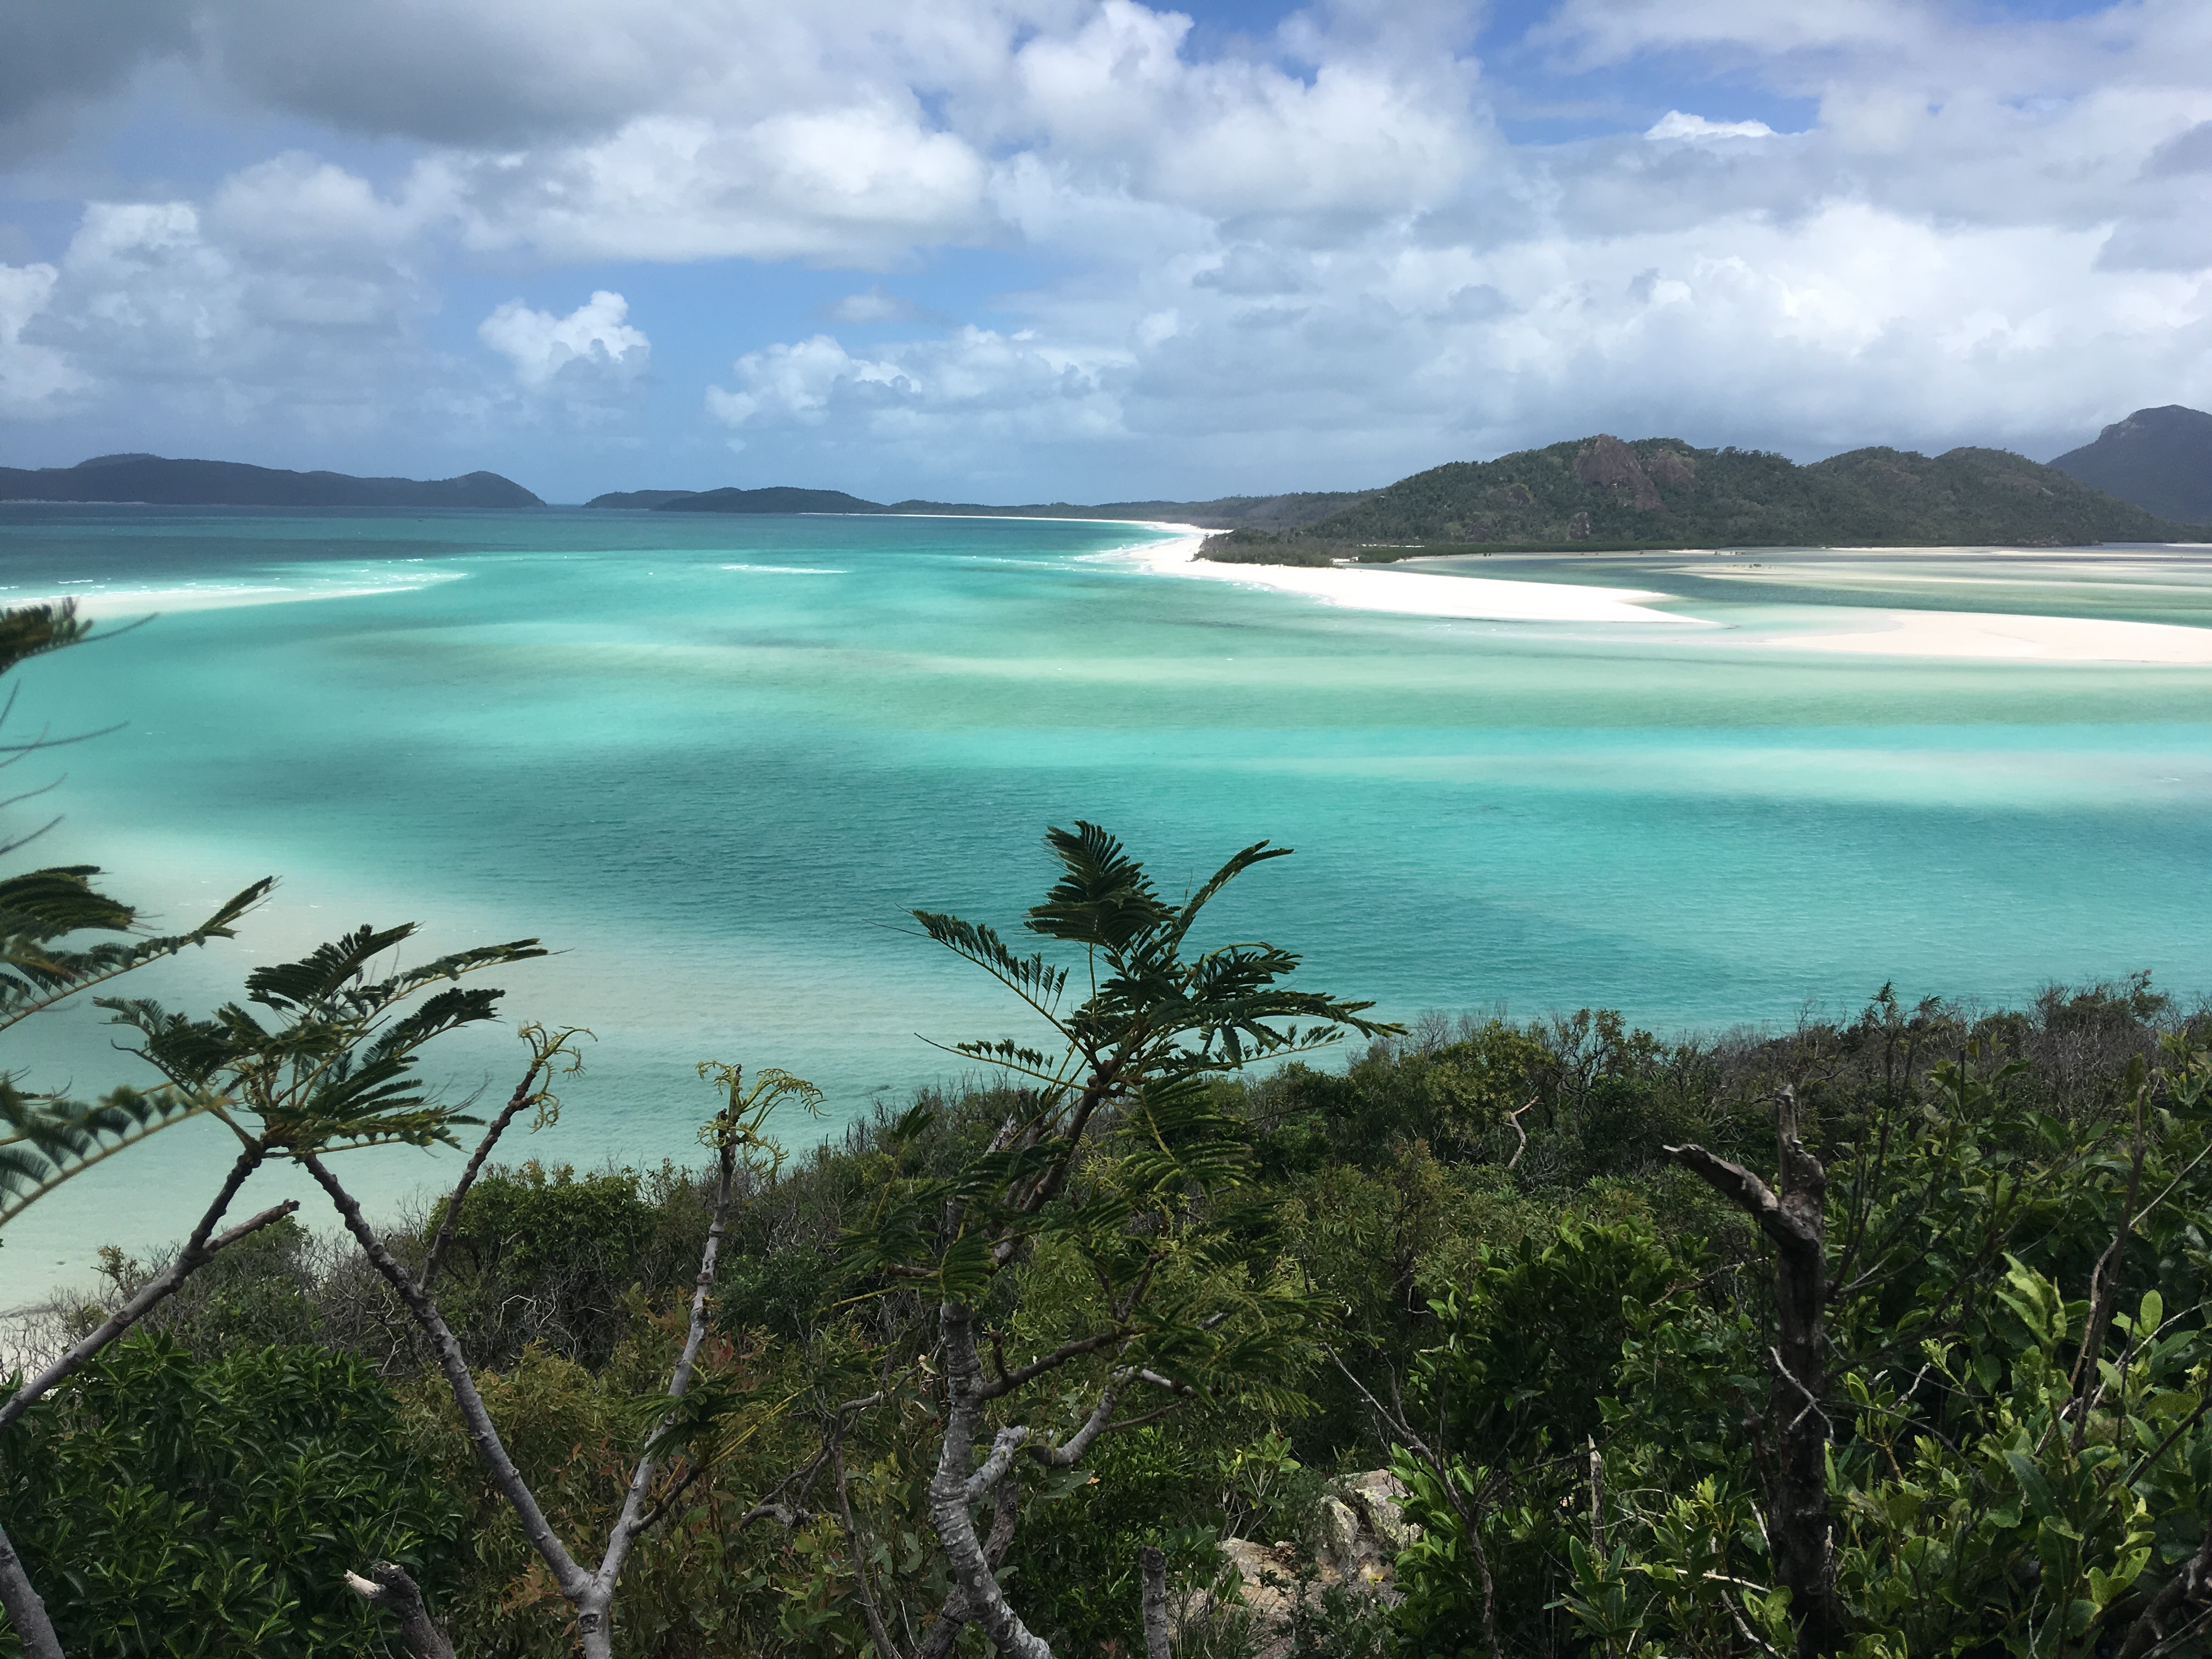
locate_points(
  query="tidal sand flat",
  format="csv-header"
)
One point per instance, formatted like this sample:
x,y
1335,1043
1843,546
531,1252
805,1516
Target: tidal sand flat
x,y
712,763
1410,592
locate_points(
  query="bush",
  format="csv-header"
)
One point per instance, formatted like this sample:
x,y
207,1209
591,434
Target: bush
x,y
175,1508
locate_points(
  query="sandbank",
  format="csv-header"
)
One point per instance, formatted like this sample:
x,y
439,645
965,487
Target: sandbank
x,y
98,602
1989,637
1410,593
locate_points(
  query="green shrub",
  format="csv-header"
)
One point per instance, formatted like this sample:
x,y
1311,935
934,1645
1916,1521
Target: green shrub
x,y
174,1508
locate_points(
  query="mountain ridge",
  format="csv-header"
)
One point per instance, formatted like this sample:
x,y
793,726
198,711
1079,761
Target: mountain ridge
x,y
2158,459
1603,491
158,481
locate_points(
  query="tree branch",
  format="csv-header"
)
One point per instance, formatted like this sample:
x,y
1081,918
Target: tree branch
x,y
199,1250
26,1614
482,1433
388,1586
522,1097
1747,1193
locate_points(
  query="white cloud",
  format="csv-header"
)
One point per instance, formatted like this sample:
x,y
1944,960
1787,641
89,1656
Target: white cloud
x,y
1316,259
1676,125
971,402
31,375
875,305
593,341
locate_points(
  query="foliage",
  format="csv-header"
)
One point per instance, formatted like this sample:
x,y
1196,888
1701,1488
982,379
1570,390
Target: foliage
x,y
2007,1477
176,1508
46,1139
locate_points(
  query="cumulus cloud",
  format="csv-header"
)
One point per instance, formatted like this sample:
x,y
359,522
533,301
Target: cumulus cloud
x,y
1676,125
1313,258
31,375
592,345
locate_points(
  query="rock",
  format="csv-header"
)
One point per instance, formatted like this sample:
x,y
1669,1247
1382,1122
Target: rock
x,y
1347,1546
1610,465
1362,1527
1380,1497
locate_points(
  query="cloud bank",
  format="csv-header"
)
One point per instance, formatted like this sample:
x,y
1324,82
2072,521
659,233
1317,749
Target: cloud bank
x,y
1372,238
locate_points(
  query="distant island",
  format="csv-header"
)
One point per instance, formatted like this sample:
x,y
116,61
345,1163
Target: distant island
x,y
158,481
1225,513
1600,493
2158,459
2146,478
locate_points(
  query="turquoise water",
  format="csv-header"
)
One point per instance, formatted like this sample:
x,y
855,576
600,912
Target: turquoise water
x,y
713,762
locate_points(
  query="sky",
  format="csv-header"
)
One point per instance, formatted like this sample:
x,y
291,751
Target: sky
x,y
1089,250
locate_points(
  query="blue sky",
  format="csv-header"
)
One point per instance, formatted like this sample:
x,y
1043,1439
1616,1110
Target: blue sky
x,y
1012,250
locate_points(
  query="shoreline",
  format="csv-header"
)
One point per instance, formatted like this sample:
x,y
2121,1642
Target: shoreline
x,y
1931,635
1405,592
1995,636
100,603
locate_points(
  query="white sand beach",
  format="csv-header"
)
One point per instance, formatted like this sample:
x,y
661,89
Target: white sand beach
x,y
97,602
1989,637
1413,594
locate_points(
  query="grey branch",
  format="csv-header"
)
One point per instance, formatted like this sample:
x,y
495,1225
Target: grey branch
x,y
1004,1445
26,1614
1152,1563
388,1586
1747,1193
482,1433
156,1290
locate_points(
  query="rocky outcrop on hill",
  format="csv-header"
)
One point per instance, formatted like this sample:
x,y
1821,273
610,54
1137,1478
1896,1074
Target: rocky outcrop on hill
x,y
1360,1526
2158,459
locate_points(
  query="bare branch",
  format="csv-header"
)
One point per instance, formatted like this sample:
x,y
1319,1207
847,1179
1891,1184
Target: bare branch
x,y
482,1433
26,1614
389,1586
1004,1445
1007,1382
198,1251
525,1095
1746,1192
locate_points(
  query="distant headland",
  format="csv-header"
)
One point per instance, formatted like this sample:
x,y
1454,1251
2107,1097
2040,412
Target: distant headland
x,y
1224,512
2146,478
156,481
1601,493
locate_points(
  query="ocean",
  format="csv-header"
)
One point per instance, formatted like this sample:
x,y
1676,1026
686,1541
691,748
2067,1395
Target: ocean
x,y
712,763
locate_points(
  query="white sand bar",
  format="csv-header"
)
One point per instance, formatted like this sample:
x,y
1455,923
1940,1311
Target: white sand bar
x,y
97,602
1413,594
1988,636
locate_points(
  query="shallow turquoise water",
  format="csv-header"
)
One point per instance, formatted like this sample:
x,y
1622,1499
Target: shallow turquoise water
x,y
714,761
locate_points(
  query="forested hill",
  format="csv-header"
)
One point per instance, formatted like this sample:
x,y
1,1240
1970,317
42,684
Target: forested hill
x,y
159,481
1661,492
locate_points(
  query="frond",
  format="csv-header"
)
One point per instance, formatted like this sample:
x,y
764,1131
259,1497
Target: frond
x,y
1103,897
1036,980
1258,853
47,1141
32,630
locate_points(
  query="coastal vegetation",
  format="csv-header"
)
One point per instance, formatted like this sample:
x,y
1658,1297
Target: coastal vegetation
x,y
1600,493
1877,1336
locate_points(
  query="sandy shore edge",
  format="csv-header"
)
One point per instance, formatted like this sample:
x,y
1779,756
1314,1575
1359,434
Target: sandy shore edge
x,y
97,602
1993,636
1408,592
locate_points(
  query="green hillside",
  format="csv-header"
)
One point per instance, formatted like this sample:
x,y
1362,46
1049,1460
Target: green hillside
x,y
1660,492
